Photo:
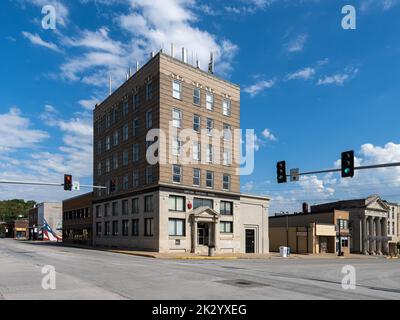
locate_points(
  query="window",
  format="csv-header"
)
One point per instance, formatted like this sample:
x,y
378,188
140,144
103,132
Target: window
x,y
176,227
113,184
210,126
210,179
196,96
176,146
108,120
149,119
99,169
98,229
115,228
227,132
135,227
209,100
176,118
135,206
344,224
98,211
125,108
196,151
106,209
148,204
135,178
226,208
196,177
136,101
125,158
148,227
136,127
126,132
99,147
115,162
226,183
115,138
125,207
176,203
115,209
200,202
226,227
135,152
393,228
226,107
149,175
108,165
108,143
388,227
177,89
345,241
196,123
176,174
125,228
227,158
149,91
113,115
210,153
107,228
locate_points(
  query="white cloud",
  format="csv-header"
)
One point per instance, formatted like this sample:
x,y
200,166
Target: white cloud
x,y
37,40
268,135
90,103
297,44
339,78
258,87
304,74
368,5
16,132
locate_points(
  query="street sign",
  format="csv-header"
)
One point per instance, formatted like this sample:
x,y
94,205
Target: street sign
x,y
76,186
294,174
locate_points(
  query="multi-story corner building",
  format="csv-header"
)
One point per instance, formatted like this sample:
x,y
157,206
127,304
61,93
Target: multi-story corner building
x,y
368,223
78,220
393,228
173,205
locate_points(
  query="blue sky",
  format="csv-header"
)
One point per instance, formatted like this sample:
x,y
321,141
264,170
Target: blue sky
x,y
310,89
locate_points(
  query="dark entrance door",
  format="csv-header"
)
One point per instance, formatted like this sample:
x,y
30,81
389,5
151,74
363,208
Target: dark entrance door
x,y
250,241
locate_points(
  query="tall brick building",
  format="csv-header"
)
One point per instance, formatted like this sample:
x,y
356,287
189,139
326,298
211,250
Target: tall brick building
x,y
173,205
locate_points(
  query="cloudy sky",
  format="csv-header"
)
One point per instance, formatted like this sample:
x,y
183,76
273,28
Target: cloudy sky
x,y
310,89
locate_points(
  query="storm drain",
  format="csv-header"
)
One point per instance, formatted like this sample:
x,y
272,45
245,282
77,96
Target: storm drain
x,y
243,283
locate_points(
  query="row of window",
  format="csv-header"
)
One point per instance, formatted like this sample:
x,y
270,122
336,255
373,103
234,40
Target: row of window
x,y
177,122
176,227
76,214
392,229
177,93
176,203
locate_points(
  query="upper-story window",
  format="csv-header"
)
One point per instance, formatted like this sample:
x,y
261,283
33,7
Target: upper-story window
x,y
210,153
108,143
125,158
227,132
226,107
209,101
149,91
126,132
210,126
149,119
99,147
196,177
135,152
177,118
108,167
135,181
108,120
210,179
227,157
114,116
99,169
115,162
176,173
115,138
196,123
226,183
125,107
125,186
135,100
149,175
196,151
136,127
177,89
196,96
176,146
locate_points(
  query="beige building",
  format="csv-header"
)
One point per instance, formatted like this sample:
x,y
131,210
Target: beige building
x,y
316,232
393,228
170,206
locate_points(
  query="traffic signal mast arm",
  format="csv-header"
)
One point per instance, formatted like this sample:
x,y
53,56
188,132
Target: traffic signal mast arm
x,y
46,184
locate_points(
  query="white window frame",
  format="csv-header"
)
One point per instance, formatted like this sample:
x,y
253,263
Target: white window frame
x,y
227,111
196,151
196,116
176,146
209,103
174,174
177,122
196,89
229,182
197,177
212,179
177,94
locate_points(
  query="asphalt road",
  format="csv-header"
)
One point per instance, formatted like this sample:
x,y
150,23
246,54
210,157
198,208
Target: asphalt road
x,y
92,274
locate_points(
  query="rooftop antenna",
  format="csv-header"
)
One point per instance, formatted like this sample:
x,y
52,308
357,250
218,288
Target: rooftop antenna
x,y
184,55
130,72
172,50
152,54
137,66
211,64
110,85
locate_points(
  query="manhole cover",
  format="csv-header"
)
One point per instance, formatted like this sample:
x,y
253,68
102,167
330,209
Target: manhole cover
x,y
243,283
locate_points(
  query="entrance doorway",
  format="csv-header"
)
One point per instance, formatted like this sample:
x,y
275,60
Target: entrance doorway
x,y
250,241
203,232
323,244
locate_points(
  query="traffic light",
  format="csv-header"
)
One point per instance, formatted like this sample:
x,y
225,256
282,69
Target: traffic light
x,y
348,164
67,182
281,172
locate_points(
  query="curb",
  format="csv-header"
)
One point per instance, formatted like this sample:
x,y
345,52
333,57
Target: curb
x,y
205,258
134,253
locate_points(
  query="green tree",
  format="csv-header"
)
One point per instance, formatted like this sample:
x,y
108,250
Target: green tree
x,y
11,209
